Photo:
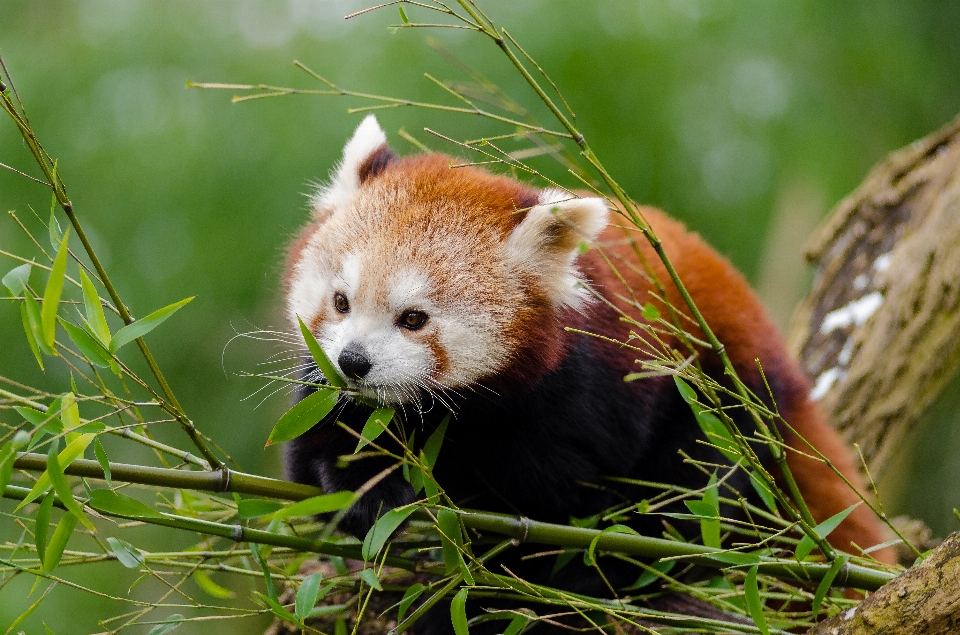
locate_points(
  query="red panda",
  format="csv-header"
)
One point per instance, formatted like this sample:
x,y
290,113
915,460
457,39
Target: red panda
x,y
436,288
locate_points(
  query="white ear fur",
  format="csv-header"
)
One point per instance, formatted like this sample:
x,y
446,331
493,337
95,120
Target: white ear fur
x,y
345,179
546,242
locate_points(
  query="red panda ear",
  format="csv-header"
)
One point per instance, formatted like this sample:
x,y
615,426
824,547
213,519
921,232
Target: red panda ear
x,y
546,242
365,156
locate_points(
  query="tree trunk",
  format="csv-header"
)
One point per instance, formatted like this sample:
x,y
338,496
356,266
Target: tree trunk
x,y
880,331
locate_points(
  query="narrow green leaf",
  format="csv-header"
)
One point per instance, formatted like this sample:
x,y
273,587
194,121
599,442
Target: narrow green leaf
x,y
317,505
689,394
370,577
206,583
383,529
63,490
58,542
323,362
409,597
589,558
304,415
751,595
94,309
88,347
17,279
267,578
125,553
144,325
516,625
307,595
716,433
44,422
651,313
655,572
47,630
101,455
69,412
51,295
31,313
760,487
458,612
403,15
53,227
431,450
340,628
42,526
806,544
277,609
374,427
73,450
167,625
451,538
117,504
826,582
257,507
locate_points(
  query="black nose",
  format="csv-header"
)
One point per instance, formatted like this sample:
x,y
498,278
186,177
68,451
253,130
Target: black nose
x,y
354,362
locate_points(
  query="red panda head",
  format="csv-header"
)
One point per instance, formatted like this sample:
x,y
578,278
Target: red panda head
x,y
416,277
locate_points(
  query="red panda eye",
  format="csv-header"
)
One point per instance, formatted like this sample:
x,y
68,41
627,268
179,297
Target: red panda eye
x,y
413,320
341,303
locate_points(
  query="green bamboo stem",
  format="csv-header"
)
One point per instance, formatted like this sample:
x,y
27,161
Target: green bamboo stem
x,y
527,530
239,533
222,480
59,189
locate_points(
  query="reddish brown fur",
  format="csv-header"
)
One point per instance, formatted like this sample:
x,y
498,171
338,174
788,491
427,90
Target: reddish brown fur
x,y
740,322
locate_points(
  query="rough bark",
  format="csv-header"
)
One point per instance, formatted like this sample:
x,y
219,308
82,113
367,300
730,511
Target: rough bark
x,y
880,331
924,599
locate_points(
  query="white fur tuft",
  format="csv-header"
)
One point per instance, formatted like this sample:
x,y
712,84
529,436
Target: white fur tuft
x,y
546,242
345,180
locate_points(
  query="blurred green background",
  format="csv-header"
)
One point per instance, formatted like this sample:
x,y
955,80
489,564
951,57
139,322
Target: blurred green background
x,y
747,119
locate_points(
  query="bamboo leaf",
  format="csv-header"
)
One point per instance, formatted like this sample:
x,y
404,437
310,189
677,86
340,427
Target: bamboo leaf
x,y
451,538
410,596
317,505
307,595
33,318
42,526
303,416
117,504
588,556
125,553
58,542
73,450
826,582
323,362
144,325
277,609
403,15
88,347
43,421
383,529
806,544
94,309
167,625
458,612
267,578
63,490
656,571
374,427
431,449
763,491
17,279
257,507
51,295
751,595
370,577
651,313
101,455
206,583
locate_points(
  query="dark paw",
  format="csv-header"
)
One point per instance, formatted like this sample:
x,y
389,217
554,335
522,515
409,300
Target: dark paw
x,y
387,495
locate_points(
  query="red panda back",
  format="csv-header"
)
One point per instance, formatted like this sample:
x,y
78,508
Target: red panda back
x,y
742,325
